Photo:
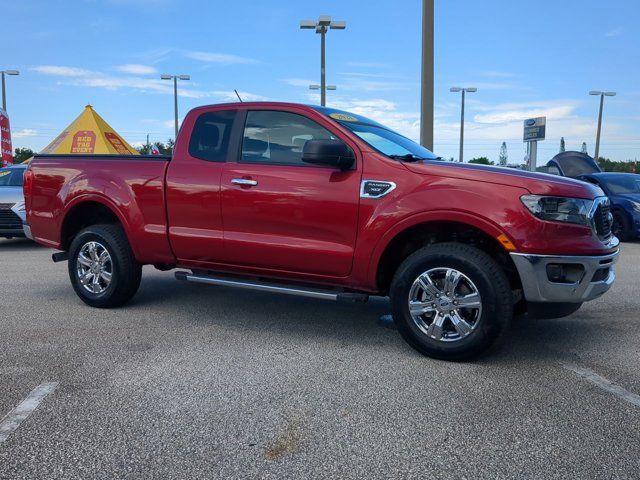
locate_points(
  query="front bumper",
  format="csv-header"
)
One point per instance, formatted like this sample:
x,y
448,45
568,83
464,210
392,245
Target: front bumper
x,y
597,278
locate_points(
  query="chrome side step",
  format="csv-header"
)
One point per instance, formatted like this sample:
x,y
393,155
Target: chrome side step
x,y
273,287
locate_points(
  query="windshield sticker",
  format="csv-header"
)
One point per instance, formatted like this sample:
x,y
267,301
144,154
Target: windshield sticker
x,y
343,117
5,173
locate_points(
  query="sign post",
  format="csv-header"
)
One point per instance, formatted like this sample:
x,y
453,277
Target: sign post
x,y
6,155
534,130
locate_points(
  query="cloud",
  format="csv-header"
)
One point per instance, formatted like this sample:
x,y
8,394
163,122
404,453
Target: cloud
x,y
383,111
516,115
616,32
61,71
25,132
221,58
368,64
136,69
299,82
230,95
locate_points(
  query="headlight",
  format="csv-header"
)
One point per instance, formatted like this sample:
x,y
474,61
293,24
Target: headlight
x,y
636,206
559,209
19,207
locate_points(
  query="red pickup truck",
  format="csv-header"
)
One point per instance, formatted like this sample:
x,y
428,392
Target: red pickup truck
x,y
314,201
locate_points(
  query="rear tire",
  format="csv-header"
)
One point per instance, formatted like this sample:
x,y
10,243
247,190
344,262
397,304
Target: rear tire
x,y
102,268
440,325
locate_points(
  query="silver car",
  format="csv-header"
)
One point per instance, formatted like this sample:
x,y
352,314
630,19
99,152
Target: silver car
x,y
12,211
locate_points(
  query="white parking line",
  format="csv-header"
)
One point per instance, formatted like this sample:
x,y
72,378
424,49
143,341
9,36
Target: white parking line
x,y
19,414
604,384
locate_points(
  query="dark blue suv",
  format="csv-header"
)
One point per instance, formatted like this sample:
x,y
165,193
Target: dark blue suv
x,y
623,190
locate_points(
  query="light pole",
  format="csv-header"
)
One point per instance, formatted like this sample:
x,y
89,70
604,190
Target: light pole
x,y
463,90
318,87
426,100
602,95
4,90
175,79
323,24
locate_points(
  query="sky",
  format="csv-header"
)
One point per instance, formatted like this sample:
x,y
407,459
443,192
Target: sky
x,y
526,59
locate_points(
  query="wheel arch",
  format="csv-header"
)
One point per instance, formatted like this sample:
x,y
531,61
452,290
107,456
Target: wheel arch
x,y
410,236
86,211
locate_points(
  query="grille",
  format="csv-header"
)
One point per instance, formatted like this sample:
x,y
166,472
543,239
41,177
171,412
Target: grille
x,y
8,218
602,221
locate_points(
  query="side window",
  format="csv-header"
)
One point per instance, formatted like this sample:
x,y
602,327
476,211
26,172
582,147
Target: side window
x,y
210,136
278,137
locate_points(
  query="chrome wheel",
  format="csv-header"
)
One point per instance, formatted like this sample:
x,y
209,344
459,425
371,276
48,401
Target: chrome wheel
x,y
94,267
445,304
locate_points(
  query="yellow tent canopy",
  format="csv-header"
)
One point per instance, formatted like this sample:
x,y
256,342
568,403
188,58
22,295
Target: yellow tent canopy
x,y
89,134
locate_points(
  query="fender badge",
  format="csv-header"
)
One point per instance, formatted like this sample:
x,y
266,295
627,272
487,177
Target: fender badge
x,y
375,188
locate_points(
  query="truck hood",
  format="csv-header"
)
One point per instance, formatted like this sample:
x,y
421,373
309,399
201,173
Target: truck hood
x,y
536,183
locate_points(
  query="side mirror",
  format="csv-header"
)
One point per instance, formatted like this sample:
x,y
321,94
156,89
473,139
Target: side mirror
x,y
334,153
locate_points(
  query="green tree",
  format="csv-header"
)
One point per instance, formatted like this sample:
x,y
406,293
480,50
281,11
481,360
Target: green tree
x,y
481,161
562,146
503,159
628,166
584,148
22,154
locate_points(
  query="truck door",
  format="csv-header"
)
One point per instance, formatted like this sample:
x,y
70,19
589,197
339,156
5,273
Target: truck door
x,y
193,187
280,213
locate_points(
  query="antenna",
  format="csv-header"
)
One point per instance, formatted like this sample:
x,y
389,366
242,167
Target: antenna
x,y
237,95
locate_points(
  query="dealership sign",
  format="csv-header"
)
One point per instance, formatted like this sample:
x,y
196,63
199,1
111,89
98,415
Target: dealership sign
x,y
5,138
534,129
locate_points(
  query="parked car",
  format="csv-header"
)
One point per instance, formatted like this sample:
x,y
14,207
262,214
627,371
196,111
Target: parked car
x,y
327,204
623,190
571,164
12,211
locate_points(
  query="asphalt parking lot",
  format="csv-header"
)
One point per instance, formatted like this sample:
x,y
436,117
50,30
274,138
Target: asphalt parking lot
x,y
192,381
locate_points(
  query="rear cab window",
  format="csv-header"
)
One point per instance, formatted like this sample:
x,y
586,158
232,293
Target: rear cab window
x,y
211,135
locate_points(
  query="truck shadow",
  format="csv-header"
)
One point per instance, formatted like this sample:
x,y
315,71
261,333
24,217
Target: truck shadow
x,y
18,244
260,313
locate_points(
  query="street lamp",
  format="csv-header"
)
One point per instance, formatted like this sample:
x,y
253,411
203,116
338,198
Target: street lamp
x,y
317,87
323,24
4,92
463,90
175,79
602,95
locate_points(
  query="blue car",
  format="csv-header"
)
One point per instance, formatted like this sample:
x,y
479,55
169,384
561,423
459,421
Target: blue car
x,y
623,190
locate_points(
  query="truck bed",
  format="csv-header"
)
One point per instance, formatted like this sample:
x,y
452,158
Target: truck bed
x,y
132,183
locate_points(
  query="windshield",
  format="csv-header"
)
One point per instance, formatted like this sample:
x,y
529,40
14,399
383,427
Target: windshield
x,y
382,139
621,184
11,177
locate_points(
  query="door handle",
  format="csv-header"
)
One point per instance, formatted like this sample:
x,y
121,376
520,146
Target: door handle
x,y
244,181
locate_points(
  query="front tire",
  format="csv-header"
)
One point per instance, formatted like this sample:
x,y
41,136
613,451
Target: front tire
x,y
102,268
451,301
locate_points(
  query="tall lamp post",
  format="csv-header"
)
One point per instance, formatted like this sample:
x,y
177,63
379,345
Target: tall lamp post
x,y
323,24
463,90
4,90
426,100
602,95
175,79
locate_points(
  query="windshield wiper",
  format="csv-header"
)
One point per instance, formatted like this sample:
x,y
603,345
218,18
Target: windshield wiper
x,y
410,157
